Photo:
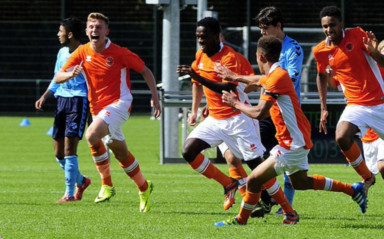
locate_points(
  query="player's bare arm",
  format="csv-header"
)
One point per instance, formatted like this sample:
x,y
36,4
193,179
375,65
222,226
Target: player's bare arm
x,y
371,44
197,95
64,76
228,75
40,102
150,80
258,112
322,82
253,85
214,86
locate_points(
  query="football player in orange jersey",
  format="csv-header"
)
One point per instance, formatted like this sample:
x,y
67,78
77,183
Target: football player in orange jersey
x,y
223,124
235,168
352,55
293,134
106,66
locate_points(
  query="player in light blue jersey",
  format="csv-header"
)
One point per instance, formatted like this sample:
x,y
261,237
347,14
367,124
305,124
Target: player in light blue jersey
x,y
71,113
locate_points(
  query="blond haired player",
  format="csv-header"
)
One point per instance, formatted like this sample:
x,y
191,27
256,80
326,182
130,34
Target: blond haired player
x,y
106,66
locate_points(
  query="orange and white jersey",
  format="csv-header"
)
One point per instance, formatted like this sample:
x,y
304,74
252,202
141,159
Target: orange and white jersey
x,y
205,67
293,130
353,67
107,73
370,136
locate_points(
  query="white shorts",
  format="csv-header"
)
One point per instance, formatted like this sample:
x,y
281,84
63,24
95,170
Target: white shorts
x,y
290,161
238,133
115,115
373,152
224,147
365,117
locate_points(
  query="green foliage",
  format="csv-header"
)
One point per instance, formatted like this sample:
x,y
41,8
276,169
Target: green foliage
x,y
185,204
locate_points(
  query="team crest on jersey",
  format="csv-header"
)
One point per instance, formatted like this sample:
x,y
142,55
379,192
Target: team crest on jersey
x,y
330,58
89,59
253,147
349,46
109,61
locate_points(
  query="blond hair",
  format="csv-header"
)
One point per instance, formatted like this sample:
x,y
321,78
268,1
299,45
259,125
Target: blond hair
x,y
96,15
380,46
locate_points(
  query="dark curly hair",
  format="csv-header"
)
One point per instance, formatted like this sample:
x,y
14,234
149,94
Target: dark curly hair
x,y
331,11
211,23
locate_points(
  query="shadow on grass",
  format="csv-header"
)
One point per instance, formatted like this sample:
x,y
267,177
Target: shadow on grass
x,y
357,222
198,213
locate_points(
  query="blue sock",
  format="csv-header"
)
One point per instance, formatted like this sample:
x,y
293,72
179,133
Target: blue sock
x,y
289,191
61,162
71,171
79,178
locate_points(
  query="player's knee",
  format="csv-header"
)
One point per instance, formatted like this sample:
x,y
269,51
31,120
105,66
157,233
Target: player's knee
x,y
253,184
91,137
344,141
231,159
188,154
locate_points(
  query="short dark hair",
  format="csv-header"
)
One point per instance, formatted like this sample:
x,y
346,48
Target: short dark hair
x,y
271,46
331,11
73,25
269,16
211,23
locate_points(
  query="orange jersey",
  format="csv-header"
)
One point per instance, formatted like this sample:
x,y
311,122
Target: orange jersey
x,y
205,67
353,68
245,67
107,73
370,136
293,130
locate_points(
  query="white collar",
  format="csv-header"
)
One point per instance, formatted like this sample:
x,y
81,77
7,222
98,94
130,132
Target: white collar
x,y
108,43
221,46
274,66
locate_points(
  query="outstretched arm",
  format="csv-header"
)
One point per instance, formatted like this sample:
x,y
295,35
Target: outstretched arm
x,y
151,82
258,112
218,87
228,75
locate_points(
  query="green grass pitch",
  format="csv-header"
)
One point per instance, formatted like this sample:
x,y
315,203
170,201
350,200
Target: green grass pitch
x,y
185,204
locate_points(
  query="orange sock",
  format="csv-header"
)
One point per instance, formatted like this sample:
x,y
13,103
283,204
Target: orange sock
x,y
274,190
132,169
327,184
201,164
247,205
100,157
355,158
239,174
